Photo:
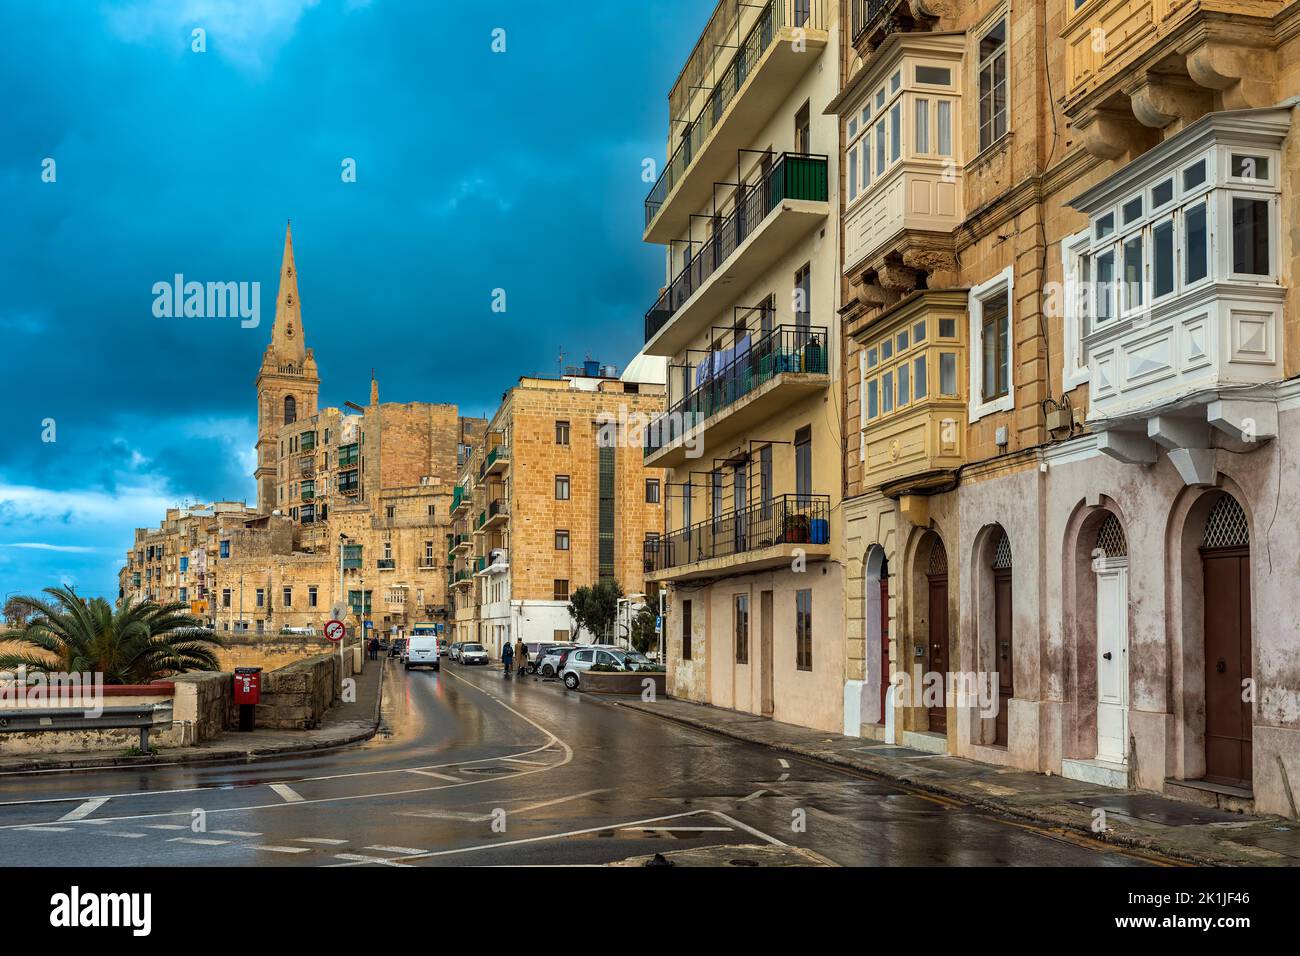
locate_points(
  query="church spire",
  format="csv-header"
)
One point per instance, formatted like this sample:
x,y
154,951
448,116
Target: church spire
x,y
287,342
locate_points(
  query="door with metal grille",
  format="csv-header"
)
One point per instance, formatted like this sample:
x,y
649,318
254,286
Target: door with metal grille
x,y
1225,559
937,584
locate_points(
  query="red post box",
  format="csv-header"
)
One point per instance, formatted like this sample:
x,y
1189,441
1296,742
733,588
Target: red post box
x,y
248,685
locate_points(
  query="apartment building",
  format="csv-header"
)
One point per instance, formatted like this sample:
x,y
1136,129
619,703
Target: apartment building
x,y
558,496
747,320
169,564
1069,394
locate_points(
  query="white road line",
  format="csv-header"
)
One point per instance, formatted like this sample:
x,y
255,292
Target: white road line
x,y
533,763
166,826
783,778
197,841
118,833
403,850
85,810
748,829
438,776
753,796
324,841
783,762
359,858
679,829
39,829
238,833
282,849
287,792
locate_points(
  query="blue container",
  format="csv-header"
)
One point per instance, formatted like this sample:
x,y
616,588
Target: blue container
x,y
819,531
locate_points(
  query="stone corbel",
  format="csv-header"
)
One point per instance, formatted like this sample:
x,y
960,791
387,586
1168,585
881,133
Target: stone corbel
x,y
1168,103
933,9
939,266
871,295
1131,448
1110,134
1244,420
1244,75
915,510
897,277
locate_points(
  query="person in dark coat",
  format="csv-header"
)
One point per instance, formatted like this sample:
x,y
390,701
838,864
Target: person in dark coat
x,y
374,648
507,659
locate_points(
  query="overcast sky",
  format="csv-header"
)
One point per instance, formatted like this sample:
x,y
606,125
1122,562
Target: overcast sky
x,y
475,171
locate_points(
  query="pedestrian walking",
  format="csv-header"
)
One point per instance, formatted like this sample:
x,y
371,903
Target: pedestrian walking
x,y
521,657
507,659
374,648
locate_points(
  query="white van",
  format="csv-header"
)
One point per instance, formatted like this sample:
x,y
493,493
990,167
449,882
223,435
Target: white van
x,y
422,650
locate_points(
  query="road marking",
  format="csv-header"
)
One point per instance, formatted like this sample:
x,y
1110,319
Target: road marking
x,y
238,833
359,858
166,826
197,841
783,762
282,849
85,810
679,829
753,796
439,776
403,850
40,829
748,829
783,778
484,817
287,792
534,763
324,841
118,833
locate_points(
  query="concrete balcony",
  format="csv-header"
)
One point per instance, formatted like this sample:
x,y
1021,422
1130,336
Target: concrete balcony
x,y
496,516
718,109
918,197
912,392
771,216
497,462
726,392
761,536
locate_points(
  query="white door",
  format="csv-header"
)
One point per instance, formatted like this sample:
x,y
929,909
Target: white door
x,y
1112,663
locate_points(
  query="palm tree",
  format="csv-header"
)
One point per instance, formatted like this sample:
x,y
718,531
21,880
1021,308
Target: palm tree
x,y
135,644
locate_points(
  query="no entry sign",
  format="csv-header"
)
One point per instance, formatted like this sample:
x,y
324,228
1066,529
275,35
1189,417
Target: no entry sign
x,y
334,631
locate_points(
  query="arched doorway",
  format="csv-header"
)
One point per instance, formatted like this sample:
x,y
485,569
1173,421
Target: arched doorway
x,y
1110,565
877,631
936,576
1225,563
1002,639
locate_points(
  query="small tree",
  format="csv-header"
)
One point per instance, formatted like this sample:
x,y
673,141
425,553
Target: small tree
x,y
644,636
595,608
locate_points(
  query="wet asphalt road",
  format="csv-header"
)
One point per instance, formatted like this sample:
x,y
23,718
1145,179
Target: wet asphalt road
x,y
470,769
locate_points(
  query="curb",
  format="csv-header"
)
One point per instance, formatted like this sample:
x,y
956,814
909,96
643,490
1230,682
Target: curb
x,y
985,803
206,757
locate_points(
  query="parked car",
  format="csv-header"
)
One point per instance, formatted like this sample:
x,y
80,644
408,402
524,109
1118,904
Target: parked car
x,y
543,651
553,659
421,652
397,648
454,650
636,661
584,659
442,647
473,654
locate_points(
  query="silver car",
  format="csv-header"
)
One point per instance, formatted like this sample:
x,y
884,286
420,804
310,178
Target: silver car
x,y
472,654
585,658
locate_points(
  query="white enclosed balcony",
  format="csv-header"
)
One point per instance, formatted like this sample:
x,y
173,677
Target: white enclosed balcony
x,y
1175,304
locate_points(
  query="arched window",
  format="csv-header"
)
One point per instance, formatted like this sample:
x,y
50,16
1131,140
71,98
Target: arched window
x,y
290,410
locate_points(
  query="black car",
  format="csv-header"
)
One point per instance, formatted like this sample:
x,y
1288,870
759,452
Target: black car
x,y
397,648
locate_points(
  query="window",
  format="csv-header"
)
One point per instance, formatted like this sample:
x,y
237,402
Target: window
x,y
225,597
261,597
803,462
313,595
184,563
993,85
803,629
687,627
428,554
225,549
803,295
803,130
286,597
561,433
990,367
561,540
652,491
432,511
390,511
765,477
1250,236
290,410
741,607
561,487
561,591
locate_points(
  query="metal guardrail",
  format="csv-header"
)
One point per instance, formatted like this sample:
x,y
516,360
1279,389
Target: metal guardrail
x,y
786,519
142,717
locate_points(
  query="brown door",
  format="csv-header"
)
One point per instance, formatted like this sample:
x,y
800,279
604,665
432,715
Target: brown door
x,y
939,647
1002,648
765,651
1227,665
884,636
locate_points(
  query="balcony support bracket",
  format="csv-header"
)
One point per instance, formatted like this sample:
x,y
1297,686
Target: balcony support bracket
x,y
1168,102
1242,73
1131,448
1194,465
1245,421
915,510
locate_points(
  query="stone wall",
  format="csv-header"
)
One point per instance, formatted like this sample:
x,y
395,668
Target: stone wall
x,y
204,705
296,697
268,652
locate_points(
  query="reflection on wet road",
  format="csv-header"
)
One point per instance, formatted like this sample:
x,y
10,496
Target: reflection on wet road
x,y
469,768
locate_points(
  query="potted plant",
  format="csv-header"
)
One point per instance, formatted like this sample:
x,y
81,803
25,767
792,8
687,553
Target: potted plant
x,y
794,529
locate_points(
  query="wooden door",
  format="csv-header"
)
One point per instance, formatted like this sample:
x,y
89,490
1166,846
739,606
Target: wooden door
x,y
1112,663
938,587
1227,666
884,636
1002,651
765,654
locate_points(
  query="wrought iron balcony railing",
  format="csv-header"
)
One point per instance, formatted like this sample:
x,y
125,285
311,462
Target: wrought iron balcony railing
x,y
723,378
808,14
786,519
792,176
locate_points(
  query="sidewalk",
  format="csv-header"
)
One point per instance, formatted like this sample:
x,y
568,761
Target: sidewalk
x,y
1138,820
344,723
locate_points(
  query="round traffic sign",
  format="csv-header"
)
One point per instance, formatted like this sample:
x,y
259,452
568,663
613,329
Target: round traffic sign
x,y
334,631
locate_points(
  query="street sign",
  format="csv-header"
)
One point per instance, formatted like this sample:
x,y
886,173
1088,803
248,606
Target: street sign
x,y
334,631
659,622
369,625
